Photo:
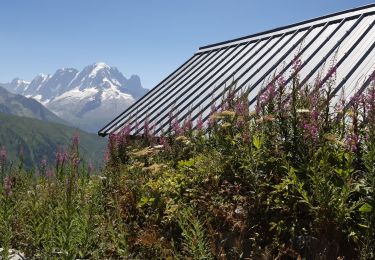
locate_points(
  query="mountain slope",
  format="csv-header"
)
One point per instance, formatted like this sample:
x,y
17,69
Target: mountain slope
x,y
19,105
88,99
39,140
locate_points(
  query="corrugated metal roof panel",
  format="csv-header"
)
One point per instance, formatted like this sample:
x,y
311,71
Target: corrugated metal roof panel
x,y
346,38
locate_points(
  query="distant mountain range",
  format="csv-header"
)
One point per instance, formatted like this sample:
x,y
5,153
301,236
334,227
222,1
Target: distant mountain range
x,y
87,99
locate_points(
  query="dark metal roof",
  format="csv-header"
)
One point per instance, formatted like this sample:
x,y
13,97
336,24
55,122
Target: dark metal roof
x,y
346,38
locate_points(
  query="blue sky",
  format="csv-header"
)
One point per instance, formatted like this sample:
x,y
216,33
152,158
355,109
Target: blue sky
x,y
146,37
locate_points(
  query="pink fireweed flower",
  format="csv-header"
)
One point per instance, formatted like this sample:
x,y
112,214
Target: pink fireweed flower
x,y
258,107
297,64
318,81
112,147
76,161
199,125
352,141
315,115
8,186
246,136
311,130
122,137
146,127
164,142
176,128
49,173
241,107
331,72
76,139
268,95
211,120
281,81
43,163
357,98
240,123
90,168
43,166
370,105
61,157
188,124
106,156
125,132
3,155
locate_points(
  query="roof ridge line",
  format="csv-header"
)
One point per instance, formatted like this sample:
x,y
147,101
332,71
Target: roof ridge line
x,y
288,26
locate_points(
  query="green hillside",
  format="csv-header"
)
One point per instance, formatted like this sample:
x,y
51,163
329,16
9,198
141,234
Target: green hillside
x,y
39,140
19,105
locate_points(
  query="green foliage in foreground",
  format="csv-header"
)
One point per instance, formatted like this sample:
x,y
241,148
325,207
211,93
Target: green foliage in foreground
x,y
296,178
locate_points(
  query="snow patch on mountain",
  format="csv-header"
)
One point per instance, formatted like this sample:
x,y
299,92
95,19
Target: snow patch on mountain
x,y
97,67
77,94
88,98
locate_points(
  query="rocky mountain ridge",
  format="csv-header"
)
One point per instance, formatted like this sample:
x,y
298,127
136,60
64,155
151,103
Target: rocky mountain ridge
x,y
88,99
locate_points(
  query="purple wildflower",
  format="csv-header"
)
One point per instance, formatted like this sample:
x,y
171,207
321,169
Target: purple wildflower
x,y
122,137
112,146
281,81
268,95
8,186
43,163
352,141
246,136
200,122
75,139
164,142
76,162
311,130
188,124
297,64
241,107
176,128
49,173
211,119
90,168
106,156
331,72
61,157
146,127
3,155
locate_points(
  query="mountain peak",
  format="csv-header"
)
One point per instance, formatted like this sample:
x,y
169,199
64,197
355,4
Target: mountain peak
x,y
101,65
18,81
86,98
98,67
42,76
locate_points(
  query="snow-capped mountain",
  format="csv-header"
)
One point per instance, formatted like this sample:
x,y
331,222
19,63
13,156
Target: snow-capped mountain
x,y
88,99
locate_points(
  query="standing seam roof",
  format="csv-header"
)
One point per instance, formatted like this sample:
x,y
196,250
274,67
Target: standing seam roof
x,y
345,40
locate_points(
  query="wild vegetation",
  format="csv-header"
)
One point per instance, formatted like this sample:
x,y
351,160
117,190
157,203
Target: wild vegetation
x,y
293,179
